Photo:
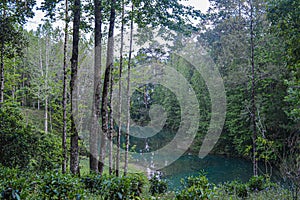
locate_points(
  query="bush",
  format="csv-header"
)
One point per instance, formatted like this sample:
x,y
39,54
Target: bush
x,y
16,184
197,188
23,146
16,138
236,188
60,186
157,185
112,187
256,183
93,183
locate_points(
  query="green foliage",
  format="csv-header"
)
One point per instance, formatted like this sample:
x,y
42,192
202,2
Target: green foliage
x,y
114,188
237,188
17,141
196,188
51,185
157,185
93,183
15,183
254,185
60,186
22,145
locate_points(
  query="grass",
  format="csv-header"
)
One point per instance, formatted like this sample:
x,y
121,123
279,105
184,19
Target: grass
x,y
85,170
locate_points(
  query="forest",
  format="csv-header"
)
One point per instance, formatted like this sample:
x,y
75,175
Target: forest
x,y
149,99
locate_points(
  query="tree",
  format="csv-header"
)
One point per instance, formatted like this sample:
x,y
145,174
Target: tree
x,y
109,65
120,90
128,92
248,54
97,88
74,158
64,102
13,15
285,19
284,16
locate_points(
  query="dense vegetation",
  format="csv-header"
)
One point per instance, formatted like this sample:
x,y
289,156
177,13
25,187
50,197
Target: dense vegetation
x,y
58,109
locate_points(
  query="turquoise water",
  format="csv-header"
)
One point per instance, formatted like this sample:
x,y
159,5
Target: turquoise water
x,y
219,169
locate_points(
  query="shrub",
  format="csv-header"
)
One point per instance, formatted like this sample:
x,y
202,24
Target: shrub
x,y
256,183
113,188
157,185
16,138
16,184
236,188
22,145
60,186
197,188
93,182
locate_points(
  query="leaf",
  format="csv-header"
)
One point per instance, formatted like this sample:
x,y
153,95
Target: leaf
x,y
120,195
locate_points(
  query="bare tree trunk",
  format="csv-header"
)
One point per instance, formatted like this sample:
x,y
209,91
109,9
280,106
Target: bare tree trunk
x,y
46,86
14,87
109,65
111,121
253,111
2,62
128,94
97,89
2,74
65,66
74,158
120,93
42,72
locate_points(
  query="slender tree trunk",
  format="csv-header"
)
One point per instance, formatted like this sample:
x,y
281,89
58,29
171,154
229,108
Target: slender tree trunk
x,y
97,89
42,71
14,87
74,158
65,66
128,94
253,111
111,121
46,114
120,94
46,86
2,60
109,64
2,73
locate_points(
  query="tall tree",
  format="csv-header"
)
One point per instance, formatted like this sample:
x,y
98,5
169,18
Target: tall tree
x,y
109,65
13,14
120,91
97,88
253,111
111,121
74,158
64,103
128,91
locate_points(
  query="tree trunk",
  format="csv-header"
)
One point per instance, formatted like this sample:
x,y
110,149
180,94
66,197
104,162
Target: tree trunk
x,y
65,66
97,89
42,72
2,73
128,94
46,86
109,64
111,122
253,111
120,94
74,158
2,61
